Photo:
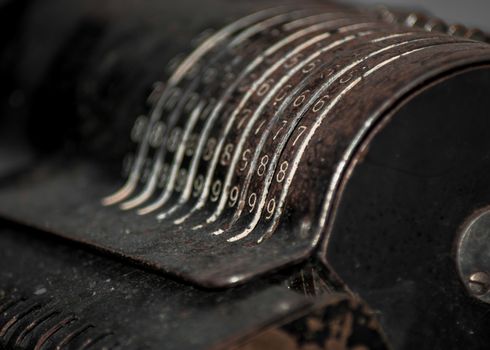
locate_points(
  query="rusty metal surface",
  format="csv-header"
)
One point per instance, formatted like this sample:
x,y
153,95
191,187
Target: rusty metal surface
x,y
236,165
58,296
336,325
394,233
282,133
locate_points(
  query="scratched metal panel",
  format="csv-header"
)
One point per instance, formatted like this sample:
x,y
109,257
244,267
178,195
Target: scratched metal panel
x,y
54,295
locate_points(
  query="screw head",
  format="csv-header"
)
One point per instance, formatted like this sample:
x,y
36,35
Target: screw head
x,y
479,283
473,255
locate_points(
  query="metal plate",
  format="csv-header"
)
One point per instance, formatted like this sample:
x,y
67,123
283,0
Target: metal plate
x,y
398,219
54,295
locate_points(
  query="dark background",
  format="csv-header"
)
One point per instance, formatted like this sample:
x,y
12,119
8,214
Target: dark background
x,y
474,13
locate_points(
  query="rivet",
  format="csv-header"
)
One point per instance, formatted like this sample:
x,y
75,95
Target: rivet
x,y
479,283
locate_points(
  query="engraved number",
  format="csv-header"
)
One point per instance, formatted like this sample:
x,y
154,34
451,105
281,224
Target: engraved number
x,y
301,129
209,151
320,104
252,200
163,176
283,93
233,196
226,157
309,67
284,123
293,61
198,185
173,98
282,171
271,207
301,98
265,87
245,114
191,103
191,145
174,140
215,191
156,135
245,160
181,180
259,127
263,165
139,129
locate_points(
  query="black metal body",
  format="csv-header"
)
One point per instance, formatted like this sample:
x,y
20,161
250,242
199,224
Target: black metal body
x,y
355,139
56,295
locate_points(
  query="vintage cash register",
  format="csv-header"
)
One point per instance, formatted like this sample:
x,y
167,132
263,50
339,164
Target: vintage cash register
x,y
242,175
